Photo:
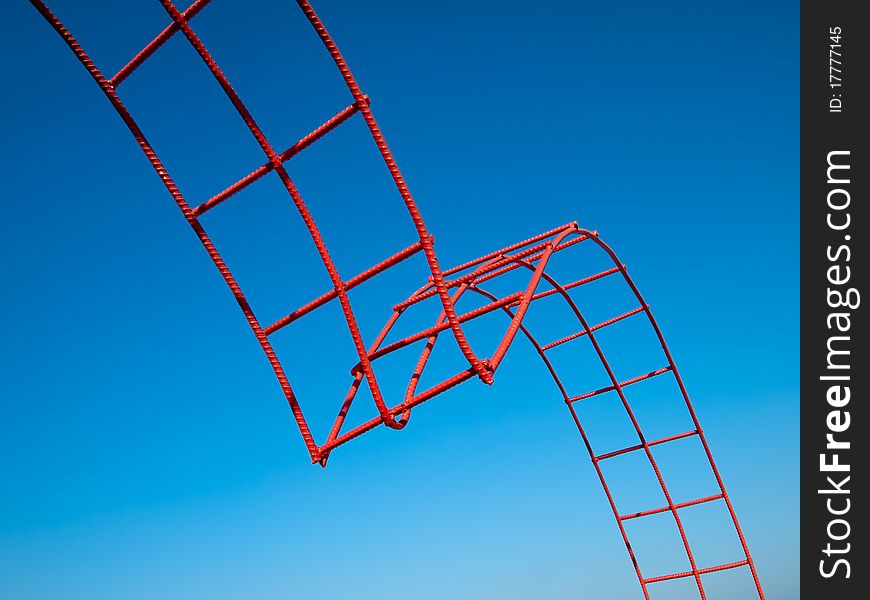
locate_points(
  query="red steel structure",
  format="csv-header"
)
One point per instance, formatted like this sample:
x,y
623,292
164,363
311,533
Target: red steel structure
x,y
447,285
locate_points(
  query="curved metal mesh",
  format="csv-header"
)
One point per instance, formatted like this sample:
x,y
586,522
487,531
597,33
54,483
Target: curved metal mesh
x,y
448,286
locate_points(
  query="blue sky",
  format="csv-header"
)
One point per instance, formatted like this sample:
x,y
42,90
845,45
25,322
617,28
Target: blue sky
x,y
146,448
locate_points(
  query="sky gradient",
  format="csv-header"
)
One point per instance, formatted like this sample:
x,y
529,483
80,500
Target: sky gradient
x,y
147,451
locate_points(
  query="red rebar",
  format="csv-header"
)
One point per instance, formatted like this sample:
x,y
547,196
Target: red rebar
x,y
623,384
194,223
421,335
533,254
278,167
656,511
618,389
606,323
349,285
392,166
154,44
511,248
665,440
734,565
289,153
693,415
503,263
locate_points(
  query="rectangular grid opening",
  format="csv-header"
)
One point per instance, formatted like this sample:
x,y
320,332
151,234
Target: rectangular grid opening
x,y
657,545
632,483
686,470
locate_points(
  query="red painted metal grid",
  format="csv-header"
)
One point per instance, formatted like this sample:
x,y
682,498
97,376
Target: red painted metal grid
x,y
533,254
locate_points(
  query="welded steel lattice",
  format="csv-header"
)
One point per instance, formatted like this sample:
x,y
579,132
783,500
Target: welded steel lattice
x,y
447,285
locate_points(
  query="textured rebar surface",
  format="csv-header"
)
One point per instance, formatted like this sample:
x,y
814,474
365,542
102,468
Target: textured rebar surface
x,y
447,285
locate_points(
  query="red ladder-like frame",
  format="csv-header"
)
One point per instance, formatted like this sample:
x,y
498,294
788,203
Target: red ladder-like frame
x,y
448,286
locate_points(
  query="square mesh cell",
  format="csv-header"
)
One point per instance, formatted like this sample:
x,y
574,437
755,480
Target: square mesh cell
x,y
686,469
657,545
629,343
659,406
712,534
632,483
606,423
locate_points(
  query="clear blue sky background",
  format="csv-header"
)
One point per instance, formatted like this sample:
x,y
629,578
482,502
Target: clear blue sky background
x,y
145,448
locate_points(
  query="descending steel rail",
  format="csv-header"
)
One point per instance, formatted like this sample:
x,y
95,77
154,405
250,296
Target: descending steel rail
x,y
533,255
